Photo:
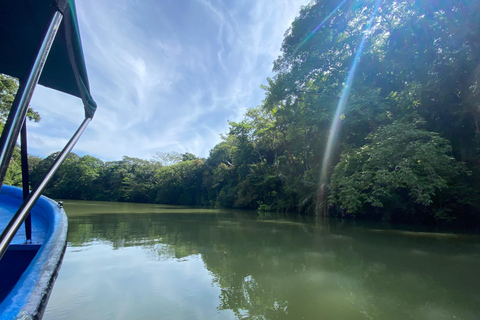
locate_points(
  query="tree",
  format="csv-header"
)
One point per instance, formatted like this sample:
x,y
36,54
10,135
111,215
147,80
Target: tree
x,y
167,158
77,178
130,179
188,156
8,89
403,168
180,183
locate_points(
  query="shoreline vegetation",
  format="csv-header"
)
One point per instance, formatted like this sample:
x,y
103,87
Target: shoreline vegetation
x,y
408,148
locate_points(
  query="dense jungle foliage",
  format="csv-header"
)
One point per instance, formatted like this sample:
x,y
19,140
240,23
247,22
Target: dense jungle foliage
x,y
407,142
8,89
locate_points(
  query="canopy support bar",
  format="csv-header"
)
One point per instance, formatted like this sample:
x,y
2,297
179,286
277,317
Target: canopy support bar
x,y
17,220
22,99
25,177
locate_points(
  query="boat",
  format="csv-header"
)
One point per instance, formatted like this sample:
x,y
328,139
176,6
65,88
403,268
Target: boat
x,y
40,44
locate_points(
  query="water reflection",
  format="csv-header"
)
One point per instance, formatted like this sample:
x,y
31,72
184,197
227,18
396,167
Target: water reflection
x,y
142,261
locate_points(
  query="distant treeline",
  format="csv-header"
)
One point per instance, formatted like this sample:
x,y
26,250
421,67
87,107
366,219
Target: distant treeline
x,y
409,144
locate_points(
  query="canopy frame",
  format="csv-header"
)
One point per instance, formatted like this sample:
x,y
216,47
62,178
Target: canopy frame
x,y
17,119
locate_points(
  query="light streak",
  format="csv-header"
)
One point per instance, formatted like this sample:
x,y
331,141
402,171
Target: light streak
x,y
336,124
320,25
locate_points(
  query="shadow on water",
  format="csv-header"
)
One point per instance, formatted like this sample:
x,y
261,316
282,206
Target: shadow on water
x,y
283,268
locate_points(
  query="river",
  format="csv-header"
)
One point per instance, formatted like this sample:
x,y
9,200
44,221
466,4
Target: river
x,y
141,261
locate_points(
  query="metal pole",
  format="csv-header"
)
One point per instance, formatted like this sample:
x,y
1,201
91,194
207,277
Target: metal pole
x,y
19,109
25,182
17,220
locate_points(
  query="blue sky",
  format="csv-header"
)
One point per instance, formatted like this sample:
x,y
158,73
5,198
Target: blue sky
x,y
167,75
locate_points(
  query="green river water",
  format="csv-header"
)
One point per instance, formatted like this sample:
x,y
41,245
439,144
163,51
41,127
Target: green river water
x,y
139,261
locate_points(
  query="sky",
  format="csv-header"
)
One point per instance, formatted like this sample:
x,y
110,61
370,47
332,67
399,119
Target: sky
x,y
166,75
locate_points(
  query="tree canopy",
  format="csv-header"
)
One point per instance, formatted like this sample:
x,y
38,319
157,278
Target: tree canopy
x,y
8,90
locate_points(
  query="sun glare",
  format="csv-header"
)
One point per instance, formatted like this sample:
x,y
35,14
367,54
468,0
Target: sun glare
x,y
336,123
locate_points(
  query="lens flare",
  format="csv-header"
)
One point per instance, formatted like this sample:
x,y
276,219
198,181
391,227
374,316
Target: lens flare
x,y
335,128
320,25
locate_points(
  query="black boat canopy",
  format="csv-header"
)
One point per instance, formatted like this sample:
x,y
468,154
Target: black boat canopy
x,y
23,24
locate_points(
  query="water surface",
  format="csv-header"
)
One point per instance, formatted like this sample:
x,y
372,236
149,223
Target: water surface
x,y
138,261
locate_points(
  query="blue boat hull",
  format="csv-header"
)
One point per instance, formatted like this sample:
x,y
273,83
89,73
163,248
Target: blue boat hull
x,y
28,271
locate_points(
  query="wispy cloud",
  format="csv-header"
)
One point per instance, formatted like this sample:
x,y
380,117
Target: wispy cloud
x,y
166,75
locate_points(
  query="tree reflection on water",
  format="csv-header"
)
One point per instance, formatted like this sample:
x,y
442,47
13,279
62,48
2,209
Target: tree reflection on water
x,y
294,269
